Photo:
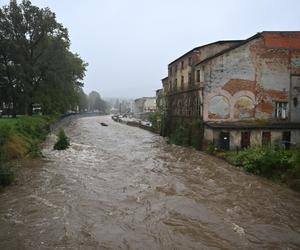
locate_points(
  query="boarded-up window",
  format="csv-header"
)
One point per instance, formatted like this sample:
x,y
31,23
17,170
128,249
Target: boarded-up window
x,y
245,139
266,138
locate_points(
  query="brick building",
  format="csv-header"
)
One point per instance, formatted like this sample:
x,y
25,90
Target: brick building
x,y
252,91
183,93
243,92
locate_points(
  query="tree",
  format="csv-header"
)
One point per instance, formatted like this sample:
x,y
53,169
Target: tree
x,y
96,102
83,100
36,64
93,96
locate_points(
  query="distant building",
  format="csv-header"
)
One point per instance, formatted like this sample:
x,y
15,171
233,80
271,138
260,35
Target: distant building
x,y
144,106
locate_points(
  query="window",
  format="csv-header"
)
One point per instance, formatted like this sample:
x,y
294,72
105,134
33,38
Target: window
x,y
198,106
170,71
190,78
182,65
190,61
281,110
266,138
175,85
182,81
198,75
202,74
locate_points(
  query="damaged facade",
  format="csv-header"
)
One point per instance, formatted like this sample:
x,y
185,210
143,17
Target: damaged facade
x,y
241,93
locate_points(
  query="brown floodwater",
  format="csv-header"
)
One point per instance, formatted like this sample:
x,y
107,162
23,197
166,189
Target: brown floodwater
x,y
120,187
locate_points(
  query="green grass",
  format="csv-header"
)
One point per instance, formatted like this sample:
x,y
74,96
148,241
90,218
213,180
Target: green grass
x,y
20,137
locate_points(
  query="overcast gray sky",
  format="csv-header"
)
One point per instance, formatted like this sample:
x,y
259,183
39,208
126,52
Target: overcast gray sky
x,y
129,43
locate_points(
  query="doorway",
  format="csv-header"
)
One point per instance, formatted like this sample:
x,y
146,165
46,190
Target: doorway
x,y
286,139
224,141
245,139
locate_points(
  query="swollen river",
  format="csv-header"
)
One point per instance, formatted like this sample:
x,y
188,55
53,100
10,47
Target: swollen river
x,y
120,187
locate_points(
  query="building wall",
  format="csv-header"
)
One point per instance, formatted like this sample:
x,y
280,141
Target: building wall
x,y
183,68
212,136
246,82
144,106
150,105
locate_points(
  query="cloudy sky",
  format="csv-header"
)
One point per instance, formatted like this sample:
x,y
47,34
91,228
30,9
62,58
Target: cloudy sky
x,y
129,43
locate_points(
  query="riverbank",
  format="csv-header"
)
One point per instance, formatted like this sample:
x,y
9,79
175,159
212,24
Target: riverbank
x,y
274,163
21,138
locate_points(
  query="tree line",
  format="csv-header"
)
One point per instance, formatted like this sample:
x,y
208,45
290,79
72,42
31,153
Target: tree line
x,y
36,64
92,102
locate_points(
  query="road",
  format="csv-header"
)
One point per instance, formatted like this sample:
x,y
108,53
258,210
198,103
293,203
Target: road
x,y
120,187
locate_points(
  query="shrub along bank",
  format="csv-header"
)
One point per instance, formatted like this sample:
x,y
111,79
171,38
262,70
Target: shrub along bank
x,y
272,162
20,138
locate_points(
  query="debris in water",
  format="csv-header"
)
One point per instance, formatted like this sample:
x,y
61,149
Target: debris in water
x,y
238,229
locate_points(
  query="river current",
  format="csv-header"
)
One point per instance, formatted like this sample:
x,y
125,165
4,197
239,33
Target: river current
x,y
120,187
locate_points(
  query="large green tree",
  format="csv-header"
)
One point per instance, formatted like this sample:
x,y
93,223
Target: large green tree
x,y
36,64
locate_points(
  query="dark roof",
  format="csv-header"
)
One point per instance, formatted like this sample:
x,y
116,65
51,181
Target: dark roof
x,y
253,125
231,48
202,46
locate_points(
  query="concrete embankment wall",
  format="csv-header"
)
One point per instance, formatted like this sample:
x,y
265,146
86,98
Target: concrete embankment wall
x,y
65,119
135,124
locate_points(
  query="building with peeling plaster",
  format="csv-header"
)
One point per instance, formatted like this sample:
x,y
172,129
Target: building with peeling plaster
x,y
183,93
243,92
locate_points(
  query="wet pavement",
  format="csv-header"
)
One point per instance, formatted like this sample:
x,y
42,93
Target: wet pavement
x,y
120,187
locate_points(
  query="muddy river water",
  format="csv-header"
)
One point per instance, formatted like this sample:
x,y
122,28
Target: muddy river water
x,y
120,187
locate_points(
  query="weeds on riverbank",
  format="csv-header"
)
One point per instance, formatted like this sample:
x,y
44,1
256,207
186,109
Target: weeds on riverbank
x,y
21,136
180,136
271,162
63,141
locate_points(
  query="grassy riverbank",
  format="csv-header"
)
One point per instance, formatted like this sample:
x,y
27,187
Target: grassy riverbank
x,y
271,162
20,138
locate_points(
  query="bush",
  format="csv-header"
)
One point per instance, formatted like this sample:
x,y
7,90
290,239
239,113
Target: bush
x,y
180,136
63,141
155,119
265,161
7,176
